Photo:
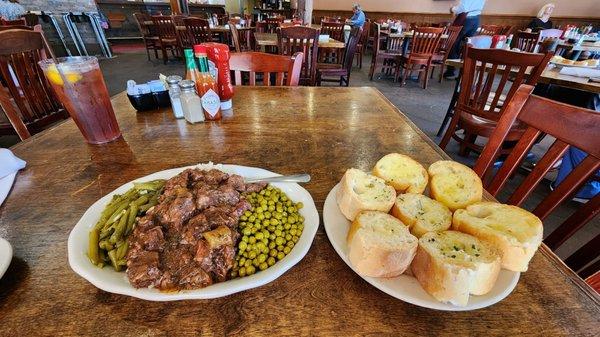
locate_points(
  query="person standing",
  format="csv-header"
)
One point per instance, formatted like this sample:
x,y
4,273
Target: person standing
x,y
472,9
358,18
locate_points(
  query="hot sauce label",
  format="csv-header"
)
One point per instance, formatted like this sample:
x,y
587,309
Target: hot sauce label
x,y
211,103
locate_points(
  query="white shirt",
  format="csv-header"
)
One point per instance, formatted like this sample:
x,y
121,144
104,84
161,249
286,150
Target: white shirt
x,y
474,7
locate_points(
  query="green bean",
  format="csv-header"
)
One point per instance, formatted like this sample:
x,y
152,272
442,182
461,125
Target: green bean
x,y
105,244
120,228
131,220
149,185
115,216
93,246
113,259
122,250
149,205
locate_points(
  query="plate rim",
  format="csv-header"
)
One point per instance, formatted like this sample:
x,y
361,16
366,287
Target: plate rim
x,y
5,259
9,177
240,284
434,304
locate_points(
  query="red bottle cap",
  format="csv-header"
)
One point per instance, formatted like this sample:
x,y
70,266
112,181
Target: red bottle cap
x,y
198,49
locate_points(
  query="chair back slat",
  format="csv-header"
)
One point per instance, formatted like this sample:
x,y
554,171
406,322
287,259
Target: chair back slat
x,y
335,30
165,27
490,30
351,46
446,44
198,30
526,42
425,41
140,20
20,52
587,253
481,93
572,127
273,24
266,64
394,43
305,40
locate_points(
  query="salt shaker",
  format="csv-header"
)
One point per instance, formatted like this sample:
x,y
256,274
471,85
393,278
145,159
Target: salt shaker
x,y
191,102
174,95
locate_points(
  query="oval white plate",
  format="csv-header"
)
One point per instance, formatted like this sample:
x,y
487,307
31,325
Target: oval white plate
x,y
406,287
5,256
109,280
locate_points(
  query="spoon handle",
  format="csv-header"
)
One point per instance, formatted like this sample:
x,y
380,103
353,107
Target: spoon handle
x,y
296,178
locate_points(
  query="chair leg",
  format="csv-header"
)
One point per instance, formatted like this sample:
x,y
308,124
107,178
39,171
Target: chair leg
x,y
443,65
360,59
405,74
449,132
426,79
449,112
373,66
464,150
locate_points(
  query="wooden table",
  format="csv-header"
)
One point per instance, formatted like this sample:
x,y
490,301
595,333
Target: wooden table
x,y
319,130
218,29
551,75
585,46
270,39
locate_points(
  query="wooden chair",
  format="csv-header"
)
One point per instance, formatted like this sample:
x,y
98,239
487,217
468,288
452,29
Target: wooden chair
x,y
490,30
362,43
167,36
184,37
335,30
198,30
305,40
17,22
286,24
571,126
241,39
526,42
485,91
329,19
261,27
285,69
445,46
149,35
341,73
273,24
506,30
385,57
27,100
424,43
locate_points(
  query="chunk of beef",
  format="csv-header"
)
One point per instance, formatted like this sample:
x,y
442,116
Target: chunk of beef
x,y
192,277
177,182
143,270
172,214
221,216
255,187
242,206
223,195
175,257
194,228
237,183
222,258
151,239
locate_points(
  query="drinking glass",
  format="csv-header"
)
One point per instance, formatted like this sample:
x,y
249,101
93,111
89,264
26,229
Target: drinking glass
x,y
80,87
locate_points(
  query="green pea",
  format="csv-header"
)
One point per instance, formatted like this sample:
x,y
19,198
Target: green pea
x,y
287,250
255,262
280,248
278,232
263,266
288,237
273,252
262,258
295,239
250,270
242,245
299,205
271,261
291,209
261,216
300,218
252,239
287,226
234,274
259,236
259,210
272,245
279,241
266,233
271,228
245,238
247,213
268,215
242,272
260,246
271,203
252,255
272,237
274,222
251,218
280,255
290,244
246,231
247,264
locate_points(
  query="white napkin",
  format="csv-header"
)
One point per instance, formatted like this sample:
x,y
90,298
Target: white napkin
x,y
580,72
9,163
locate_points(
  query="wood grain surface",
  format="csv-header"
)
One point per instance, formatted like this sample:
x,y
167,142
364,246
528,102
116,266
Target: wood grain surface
x,y
552,75
270,39
322,131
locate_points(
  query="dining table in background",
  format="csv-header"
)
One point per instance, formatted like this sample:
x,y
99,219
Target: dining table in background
x,y
270,39
318,130
552,75
406,36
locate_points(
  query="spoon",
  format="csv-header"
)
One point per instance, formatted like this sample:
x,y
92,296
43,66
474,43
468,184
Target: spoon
x,y
296,178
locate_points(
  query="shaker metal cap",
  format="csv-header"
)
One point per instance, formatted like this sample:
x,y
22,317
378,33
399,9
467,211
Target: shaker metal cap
x,y
187,84
173,79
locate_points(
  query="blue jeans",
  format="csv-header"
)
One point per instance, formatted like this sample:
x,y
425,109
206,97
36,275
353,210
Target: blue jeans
x,y
469,29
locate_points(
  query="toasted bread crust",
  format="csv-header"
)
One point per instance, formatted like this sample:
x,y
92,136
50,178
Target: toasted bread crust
x,y
402,172
454,185
380,196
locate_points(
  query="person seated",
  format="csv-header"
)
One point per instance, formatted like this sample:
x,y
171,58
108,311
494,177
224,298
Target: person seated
x,y
358,19
542,21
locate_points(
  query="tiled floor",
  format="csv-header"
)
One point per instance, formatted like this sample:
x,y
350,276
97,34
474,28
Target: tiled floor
x,y
425,108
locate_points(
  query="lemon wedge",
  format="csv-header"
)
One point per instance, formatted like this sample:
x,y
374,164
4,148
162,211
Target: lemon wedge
x,y
54,77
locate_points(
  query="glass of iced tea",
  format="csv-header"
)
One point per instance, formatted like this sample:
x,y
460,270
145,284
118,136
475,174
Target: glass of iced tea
x,y
80,87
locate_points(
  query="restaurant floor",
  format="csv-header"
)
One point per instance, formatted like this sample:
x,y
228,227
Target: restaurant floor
x,y
426,108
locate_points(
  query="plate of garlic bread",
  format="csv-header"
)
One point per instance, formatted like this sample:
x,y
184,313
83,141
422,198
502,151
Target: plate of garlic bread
x,y
424,235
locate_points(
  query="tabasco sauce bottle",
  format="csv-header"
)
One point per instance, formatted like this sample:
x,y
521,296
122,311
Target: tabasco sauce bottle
x,y
206,86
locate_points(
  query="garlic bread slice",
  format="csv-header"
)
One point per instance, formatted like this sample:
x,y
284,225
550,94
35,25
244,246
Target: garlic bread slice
x,y
402,172
421,213
360,191
454,185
